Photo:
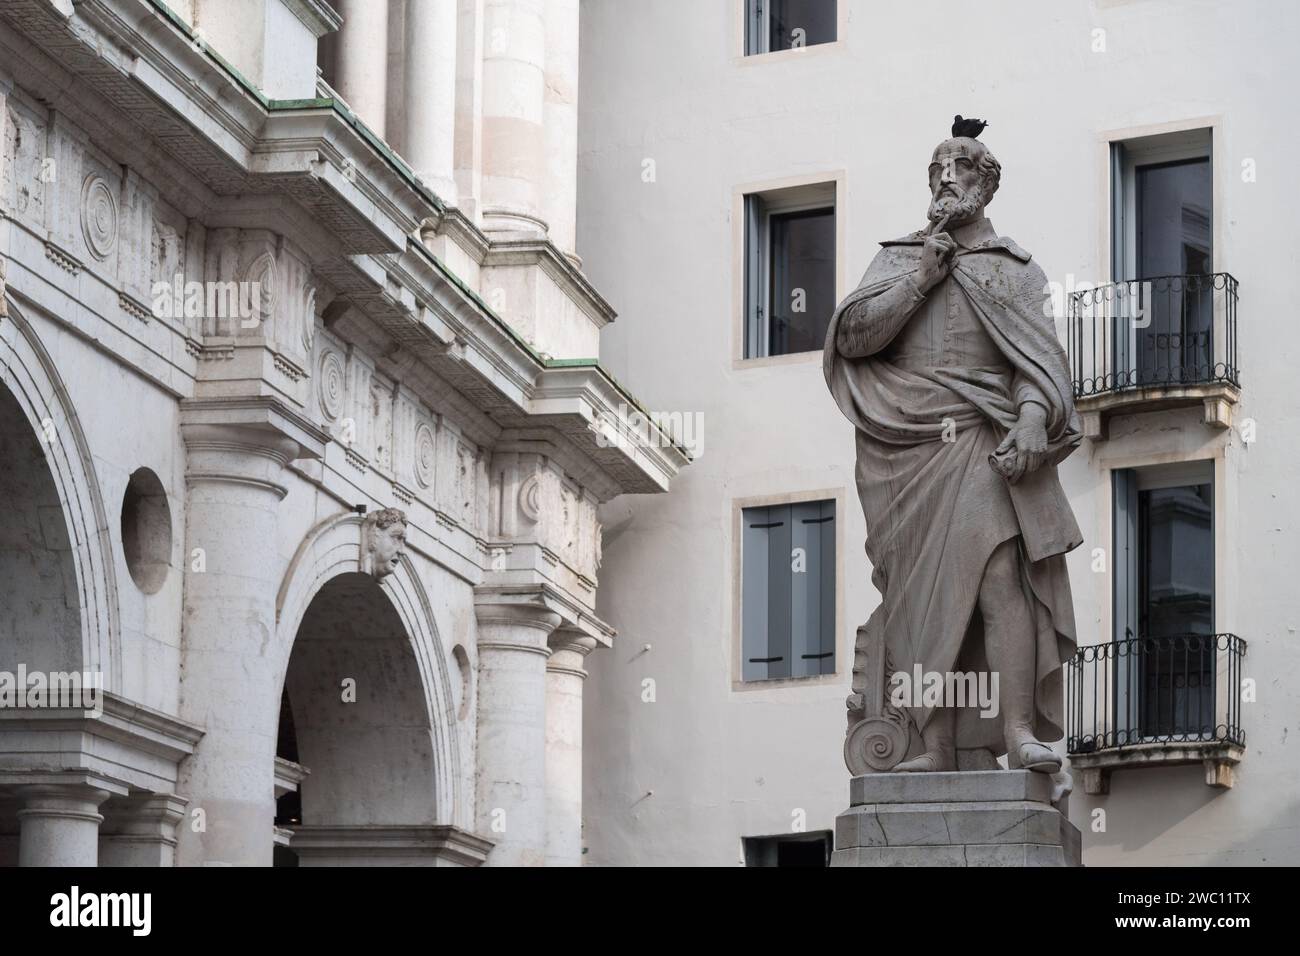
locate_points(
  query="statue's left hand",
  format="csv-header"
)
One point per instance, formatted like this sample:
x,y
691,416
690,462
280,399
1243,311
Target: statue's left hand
x,y
1028,436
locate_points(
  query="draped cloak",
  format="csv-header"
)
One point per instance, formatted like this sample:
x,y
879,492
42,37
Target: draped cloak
x,y
935,508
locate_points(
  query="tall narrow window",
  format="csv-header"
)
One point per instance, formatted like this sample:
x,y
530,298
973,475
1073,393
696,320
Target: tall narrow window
x,y
789,269
1164,601
788,591
1162,249
772,25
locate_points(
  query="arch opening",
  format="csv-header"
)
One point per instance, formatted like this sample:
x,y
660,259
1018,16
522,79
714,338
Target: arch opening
x,y
40,616
354,716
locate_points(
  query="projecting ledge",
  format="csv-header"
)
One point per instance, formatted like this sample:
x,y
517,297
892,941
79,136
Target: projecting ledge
x,y
1218,401
1219,758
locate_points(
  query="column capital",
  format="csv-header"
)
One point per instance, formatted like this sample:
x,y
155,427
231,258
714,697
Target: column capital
x,y
246,441
514,621
69,801
569,648
59,824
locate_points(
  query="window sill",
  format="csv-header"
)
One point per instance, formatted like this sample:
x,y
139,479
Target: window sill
x,y
1218,399
1219,758
779,683
791,358
794,53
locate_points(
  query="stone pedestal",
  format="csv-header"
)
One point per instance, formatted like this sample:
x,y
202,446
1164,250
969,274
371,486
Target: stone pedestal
x,y
972,818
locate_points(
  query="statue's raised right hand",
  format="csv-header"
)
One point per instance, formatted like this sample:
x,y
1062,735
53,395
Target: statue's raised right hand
x,y
936,260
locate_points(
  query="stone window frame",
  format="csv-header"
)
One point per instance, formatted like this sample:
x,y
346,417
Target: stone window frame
x,y
835,178
1117,458
843,643
1219,168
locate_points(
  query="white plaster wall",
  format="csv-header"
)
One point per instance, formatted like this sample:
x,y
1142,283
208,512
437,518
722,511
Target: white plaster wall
x,y
661,81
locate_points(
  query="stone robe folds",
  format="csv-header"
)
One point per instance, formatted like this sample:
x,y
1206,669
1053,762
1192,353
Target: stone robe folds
x,y
935,508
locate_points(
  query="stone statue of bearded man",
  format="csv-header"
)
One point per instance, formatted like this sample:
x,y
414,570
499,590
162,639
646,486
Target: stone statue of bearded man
x,y
946,360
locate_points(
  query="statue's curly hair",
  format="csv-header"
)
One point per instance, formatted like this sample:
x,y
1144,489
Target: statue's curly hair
x,y
387,517
990,174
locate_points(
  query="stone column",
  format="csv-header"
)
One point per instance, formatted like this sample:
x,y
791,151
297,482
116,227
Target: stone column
x,y
560,113
141,831
469,108
59,825
361,67
511,793
429,93
514,147
564,680
229,684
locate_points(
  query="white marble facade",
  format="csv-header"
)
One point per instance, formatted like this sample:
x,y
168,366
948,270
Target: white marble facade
x,y
301,405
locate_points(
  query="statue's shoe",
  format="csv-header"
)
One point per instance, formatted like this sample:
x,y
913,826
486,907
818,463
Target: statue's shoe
x,y
1038,757
928,762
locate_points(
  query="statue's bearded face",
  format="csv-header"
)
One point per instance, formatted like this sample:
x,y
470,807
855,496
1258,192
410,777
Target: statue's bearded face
x,y
957,189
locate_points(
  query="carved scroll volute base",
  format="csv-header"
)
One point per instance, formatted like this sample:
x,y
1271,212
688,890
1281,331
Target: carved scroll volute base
x,y
879,734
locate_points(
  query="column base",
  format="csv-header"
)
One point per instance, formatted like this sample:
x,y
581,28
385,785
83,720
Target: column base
x,y
971,818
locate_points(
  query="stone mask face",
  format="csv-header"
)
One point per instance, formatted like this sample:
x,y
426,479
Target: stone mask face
x,y
384,536
390,544
956,182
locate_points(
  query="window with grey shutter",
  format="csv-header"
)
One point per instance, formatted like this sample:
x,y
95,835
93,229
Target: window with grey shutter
x,y
788,591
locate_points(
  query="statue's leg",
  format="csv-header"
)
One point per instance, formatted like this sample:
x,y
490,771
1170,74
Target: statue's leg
x,y
1009,647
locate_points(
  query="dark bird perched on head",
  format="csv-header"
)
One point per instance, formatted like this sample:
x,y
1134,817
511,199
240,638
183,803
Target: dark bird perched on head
x,y
967,127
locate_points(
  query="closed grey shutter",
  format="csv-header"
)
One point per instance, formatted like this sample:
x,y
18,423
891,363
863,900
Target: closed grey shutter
x,y
755,280
1124,566
1120,309
779,610
765,593
755,27
828,579
812,614
753,592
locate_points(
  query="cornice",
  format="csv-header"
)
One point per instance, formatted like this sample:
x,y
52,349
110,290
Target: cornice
x,y
135,60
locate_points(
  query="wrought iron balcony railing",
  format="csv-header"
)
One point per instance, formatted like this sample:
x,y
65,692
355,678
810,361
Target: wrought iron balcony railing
x,y
1156,333
1155,690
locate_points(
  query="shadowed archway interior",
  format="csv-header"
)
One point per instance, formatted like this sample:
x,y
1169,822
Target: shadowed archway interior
x,y
40,613
353,714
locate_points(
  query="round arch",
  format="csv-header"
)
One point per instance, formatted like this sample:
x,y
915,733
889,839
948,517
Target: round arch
x,y
333,548
31,377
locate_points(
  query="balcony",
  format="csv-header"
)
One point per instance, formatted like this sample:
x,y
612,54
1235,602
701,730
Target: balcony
x,y
1151,344
1156,701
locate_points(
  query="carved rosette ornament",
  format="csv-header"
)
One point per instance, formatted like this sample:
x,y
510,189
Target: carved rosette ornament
x,y
330,384
261,277
530,498
98,216
426,453
383,542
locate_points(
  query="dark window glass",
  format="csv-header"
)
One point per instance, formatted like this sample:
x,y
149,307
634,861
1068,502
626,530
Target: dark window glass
x,y
802,284
1174,239
801,22
1176,599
